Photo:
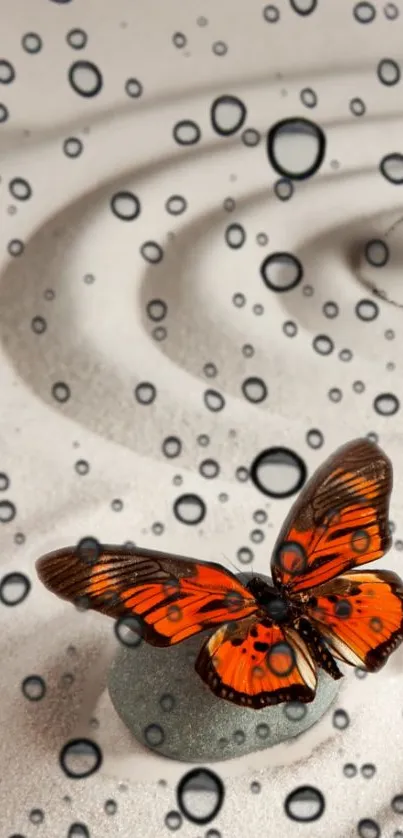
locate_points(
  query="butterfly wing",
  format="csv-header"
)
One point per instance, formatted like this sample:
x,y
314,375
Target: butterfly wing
x,y
340,519
360,615
256,663
173,597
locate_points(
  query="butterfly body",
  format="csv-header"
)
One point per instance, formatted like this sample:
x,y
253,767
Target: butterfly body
x,y
271,602
269,639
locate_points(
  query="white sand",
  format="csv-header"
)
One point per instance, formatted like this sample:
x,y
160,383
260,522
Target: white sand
x,y
98,340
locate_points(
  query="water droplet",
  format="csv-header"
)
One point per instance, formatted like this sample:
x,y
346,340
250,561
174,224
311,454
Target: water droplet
x,y
38,325
245,555
228,114
364,12
308,97
315,438
367,310
305,804
85,78
397,804
254,389
173,820
14,588
278,472
262,731
357,106
33,687
281,659
78,830
368,770
8,511
340,719
271,13
157,310
15,247
296,148
154,735
255,787
152,252
281,272
77,38
167,702
220,48
386,404
295,711
323,344
391,166
200,795
172,446
209,469
284,189
304,7
20,189
80,758
82,467
235,236
368,828
186,132
125,205
190,509
179,40
335,394
129,630
391,11
88,550
388,72
145,392
36,816
250,137
213,400
133,88
377,253
61,392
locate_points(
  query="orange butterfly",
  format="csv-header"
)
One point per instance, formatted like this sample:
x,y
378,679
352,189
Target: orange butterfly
x,y
269,640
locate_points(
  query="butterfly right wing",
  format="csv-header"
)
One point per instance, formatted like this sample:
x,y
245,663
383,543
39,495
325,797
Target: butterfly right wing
x,y
360,616
255,663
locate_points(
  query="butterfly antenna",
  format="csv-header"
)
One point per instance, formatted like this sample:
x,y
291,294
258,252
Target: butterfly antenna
x,y
240,570
231,563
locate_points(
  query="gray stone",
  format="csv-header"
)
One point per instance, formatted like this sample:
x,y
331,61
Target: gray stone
x,y
168,708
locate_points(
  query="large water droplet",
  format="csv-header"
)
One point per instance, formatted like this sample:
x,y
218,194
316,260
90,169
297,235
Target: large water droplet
x,y
281,271
78,830
14,588
305,804
200,795
304,7
278,472
190,509
80,758
391,167
387,404
228,114
85,78
296,147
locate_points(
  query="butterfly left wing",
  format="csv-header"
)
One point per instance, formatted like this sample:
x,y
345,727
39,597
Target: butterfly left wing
x,y
360,616
256,663
339,521
173,597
